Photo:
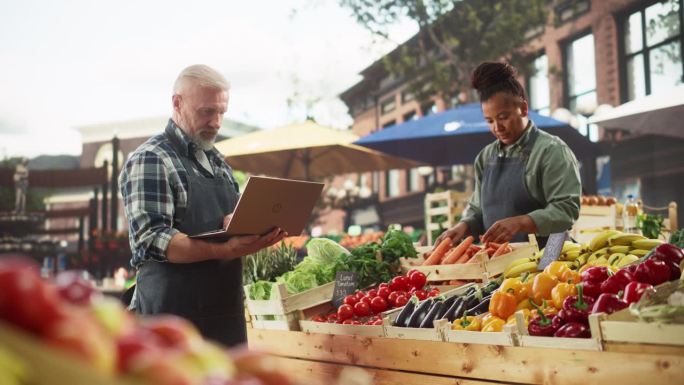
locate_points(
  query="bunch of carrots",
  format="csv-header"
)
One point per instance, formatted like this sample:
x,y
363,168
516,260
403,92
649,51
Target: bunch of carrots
x,y
464,252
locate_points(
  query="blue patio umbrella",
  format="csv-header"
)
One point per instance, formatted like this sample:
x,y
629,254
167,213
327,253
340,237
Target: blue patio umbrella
x,y
457,135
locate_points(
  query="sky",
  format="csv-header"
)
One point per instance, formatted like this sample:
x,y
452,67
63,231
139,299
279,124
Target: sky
x,y
68,63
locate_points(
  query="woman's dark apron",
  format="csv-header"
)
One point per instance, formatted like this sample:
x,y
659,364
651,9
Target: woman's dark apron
x,y
504,190
207,293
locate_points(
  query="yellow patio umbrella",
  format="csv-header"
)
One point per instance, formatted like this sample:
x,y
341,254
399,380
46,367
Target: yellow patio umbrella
x,y
305,150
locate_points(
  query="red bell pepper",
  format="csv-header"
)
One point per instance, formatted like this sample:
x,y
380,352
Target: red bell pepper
x,y
634,291
577,307
652,271
573,330
675,270
595,274
668,252
592,289
542,325
617,282
608,303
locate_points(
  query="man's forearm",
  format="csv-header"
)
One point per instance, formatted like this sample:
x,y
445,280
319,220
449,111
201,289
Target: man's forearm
x,y
183,249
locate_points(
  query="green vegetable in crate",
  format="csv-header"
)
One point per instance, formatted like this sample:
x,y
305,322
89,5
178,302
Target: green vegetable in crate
x,y
651,225
268,263
677,238
260,290
324,251
396,244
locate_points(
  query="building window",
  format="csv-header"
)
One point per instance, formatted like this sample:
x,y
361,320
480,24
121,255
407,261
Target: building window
x,y
388,105
390,123
376,181
539,90
392,183
652,49
412,179
407,96
411,115
580,80
571,9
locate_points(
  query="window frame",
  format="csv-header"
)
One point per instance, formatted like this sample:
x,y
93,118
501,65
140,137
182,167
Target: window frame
x,y
564,56
624,57
530,92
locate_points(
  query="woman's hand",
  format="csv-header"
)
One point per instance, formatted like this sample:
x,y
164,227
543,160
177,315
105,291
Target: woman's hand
x,y
456,233
505,229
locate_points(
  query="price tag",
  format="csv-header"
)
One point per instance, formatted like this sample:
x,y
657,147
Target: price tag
x,y
552,250
345,284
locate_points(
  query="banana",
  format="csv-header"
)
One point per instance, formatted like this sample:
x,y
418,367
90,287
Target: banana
x,y
615,258
12,368
601,240
582,259
646,244
617,249
518,270
596,254
601,261
627,259
570,246
571,255
624,239
639,252
520,261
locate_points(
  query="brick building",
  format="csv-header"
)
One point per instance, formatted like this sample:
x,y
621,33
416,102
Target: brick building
x,y
592,52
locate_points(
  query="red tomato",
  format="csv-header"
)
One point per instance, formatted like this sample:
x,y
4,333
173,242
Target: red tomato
x,y
418,280
366,299
318,318
359,294
384,292
421,294
378,304
372,293
383,285
376,322
392,297
362,309
350,300
411,272
433,293
345,312
401,301
348,322
332,318
355,322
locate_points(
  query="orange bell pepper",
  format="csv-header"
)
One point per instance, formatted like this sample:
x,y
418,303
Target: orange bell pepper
x,y
557,269
503,303
524,304
542,286
546,309
562,291
571,276
514,286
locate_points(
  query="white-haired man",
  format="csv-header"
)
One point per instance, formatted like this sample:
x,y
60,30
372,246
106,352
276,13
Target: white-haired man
x,y
177,184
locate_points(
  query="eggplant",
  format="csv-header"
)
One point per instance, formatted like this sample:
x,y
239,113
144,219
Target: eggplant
x,y
473,299
458,313
481,307
451,309
432,314
404,314
490,287
445,306
419,314
470,291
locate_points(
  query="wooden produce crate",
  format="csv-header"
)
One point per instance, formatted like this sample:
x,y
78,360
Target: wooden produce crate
x,y
306,325
46,365
593,343
483,271
446,203
594,219
425,334
504,338
623,326
284,307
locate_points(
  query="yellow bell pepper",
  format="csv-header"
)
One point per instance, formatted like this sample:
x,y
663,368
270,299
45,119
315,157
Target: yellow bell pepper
x,y
470,323
493,324
512,320
546,309
557,269
542,286
562,291
524,304
518,286
571,276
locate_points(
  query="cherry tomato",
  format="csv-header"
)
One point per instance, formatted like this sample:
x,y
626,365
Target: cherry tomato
x,y
366,299
332,318
411,272
433,292
421,294
401,301
376,322
383,285
418,280
348,321
362,309
355,322
378,304
319,318
350,300
384,292
345,312
359,294
398,283
372,293
392,297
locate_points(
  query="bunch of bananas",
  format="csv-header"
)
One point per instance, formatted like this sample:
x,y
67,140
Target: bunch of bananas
x,y
609,248
12,369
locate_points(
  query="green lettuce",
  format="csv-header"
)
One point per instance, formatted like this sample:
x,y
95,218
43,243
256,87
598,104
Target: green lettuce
x,y
324,251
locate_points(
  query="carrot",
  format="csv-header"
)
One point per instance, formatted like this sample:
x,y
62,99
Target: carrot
x,y
458,251
472,259
456,282
438,253
491,251
494,245
501,250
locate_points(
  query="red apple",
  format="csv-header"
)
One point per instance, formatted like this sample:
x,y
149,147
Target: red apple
x,y
166,370
136,348
75,288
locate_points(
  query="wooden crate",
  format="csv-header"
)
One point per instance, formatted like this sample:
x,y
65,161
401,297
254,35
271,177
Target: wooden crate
x,y
593,343
306,325
504,338
483,271
425,334
44,364
284,307
623,327
594,219
447,203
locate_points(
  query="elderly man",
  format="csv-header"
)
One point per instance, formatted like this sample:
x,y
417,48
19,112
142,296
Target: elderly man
x,y
177,184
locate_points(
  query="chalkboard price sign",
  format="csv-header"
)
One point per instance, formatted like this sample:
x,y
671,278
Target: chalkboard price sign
x,y
552,250
345,284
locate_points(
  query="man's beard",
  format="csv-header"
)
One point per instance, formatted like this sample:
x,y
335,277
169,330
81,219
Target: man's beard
x,y
204,144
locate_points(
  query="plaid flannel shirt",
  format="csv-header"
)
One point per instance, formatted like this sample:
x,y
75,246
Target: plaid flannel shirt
x,y
154,185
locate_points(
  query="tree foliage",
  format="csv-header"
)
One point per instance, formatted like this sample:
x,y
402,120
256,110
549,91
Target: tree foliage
x,y
453,37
